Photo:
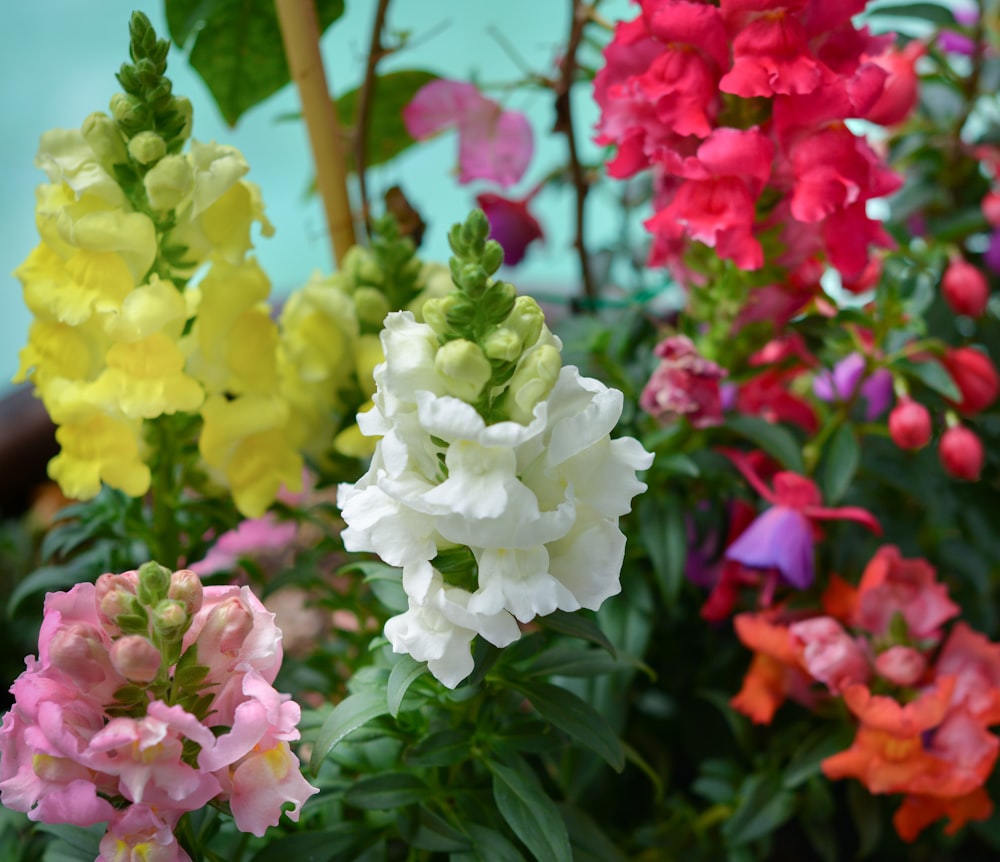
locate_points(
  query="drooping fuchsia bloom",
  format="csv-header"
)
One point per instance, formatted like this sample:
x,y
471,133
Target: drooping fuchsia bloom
x,y
511,223
782,537
493,144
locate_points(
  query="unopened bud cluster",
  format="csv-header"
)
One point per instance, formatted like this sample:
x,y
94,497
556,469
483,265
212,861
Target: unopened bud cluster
x,y
151,696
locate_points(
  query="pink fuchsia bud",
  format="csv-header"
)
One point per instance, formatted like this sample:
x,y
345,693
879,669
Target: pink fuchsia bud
x,y
830,654
910,425
186,588
965,289
975,376
135,658
961,453
991,208
901,665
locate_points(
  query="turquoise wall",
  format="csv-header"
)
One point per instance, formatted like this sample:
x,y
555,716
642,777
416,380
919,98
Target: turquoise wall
x,y
57,65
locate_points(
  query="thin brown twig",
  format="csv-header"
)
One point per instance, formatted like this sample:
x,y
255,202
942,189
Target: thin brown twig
x,y
564,124
376,51
300,35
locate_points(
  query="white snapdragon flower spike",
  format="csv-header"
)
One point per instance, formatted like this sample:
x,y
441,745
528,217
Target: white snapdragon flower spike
x,y
537,502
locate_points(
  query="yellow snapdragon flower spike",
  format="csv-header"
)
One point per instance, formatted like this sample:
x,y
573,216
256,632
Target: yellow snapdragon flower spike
x,y
98,449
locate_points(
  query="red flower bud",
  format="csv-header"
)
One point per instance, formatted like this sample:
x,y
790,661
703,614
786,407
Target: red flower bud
x,y
910,425
965,288
991,208
975,376
961,453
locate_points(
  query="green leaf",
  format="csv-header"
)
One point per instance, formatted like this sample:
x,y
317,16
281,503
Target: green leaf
x,y
570,661
932,374
814,749
764,806
73,842
387,135
665,540
354,711
530,813
237,47
310,846
932,12
425,830
574,716
444,748
776,440
579,626
45,579
866,812
393,790
590,844
403,674
840,462
490,846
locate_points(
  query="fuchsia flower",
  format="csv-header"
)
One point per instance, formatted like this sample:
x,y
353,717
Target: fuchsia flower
x,y
493,144
848,379
782,537
684,384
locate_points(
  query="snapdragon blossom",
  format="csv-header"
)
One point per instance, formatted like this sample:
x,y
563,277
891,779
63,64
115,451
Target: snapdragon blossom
x,y
533,500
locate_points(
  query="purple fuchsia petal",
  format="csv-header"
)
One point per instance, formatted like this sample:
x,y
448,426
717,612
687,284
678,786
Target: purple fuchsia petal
x,y
779,539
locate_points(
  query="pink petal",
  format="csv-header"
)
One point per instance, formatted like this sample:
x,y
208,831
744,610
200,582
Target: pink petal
x,y
440,105
494,145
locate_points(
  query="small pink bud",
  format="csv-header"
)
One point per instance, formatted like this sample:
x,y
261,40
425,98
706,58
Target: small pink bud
x,y
901,665
991,208
910,425
114,595
185,587
78,650
961,453
965,288
135,658
226,628
975,375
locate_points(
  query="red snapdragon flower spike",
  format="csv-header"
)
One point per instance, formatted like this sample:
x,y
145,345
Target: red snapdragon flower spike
x,y
782,537
511,224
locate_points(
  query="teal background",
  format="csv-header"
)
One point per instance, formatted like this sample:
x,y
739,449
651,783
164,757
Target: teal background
x,y
57,65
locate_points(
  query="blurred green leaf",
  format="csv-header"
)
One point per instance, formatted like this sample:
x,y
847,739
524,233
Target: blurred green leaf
x,y
933,12
404,673
387,134
776,440
392,790
579,626
840,462
236,47
352,712
764,805
663,535
812,751
530,813
932,374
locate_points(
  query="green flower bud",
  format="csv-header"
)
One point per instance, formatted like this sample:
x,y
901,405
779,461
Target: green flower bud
x,y
492,256
154,581
185,113
465,368
369,272
104,138
371,306
351,265
170,620
532,382
168,182
498,301
503,344
147,147
131,113
435,312
526,319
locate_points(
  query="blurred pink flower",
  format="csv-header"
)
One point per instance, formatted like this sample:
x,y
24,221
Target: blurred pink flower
x,y
830,654
493,144
511,224
684,384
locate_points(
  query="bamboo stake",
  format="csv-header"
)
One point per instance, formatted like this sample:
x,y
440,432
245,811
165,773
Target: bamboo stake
x,y
300,34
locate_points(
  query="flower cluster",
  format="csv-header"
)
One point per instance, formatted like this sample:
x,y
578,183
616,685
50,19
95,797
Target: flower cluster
x,y
495,484
126,220
923,700
151,696
738,109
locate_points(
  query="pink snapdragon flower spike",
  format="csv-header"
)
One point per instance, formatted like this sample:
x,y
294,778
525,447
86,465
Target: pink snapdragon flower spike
x,y
493,144
249,538
151,697
782,537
